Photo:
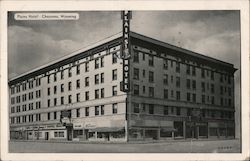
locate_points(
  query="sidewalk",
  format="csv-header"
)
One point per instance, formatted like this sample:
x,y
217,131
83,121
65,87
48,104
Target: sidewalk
x,y
130,142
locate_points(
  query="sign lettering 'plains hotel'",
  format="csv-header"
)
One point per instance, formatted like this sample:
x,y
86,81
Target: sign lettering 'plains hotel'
x,y
128,87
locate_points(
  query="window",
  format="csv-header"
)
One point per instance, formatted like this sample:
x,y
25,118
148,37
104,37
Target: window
x,y
165,64
203,73
38,82
102,93
69,72
48,102
55,89
102,77
193,70
178,111
96,63
59,134
221,101
24,88
48,79
136,73
188,96
78,83
78,112
221,90
212,100
114,90
229,80
70,99
172,93
229,102
144,89
102,61
188,69
151,76
177,67
165,110
62,100
48,91
229,91
165,79
87,95
151,108
96,110
77,69
102,109
114,74
143,56
188,83
55,116
114,108
178,95
48,116
172,79
136,89
221,78
194,97
143,73
55,77
62,74
30,86
151,60
114,58
136,108
151,91
178,82
194,84
165,93
62,88
203,86
212,75
203,99
86,81
55,101
69,86
97,79
136,57
78,97
96,93
86,66
86,111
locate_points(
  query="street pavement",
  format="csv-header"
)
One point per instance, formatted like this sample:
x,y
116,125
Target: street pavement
x,y
201,146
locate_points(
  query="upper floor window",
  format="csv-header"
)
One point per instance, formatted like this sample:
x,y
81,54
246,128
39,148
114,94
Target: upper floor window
x,y
86,81
188,69
136,73
188,83
78,83
102,109
62,87
188,97
78,112
151,91
229,80
165,93
165,110
114,90
165,64
96,93
87,95
136,57
177,67
69,86
165,79
212,75
102,93
86,66
38,81
86,111
221,78
151,108
194,97
114,74
212,88
55,89
136,89
69,72
70,99
96,110
30,86
97,79
48,79
78,99
102,77
114,108
96,63
193,70
178,81
151,76
114,58
178,95
203,73
136,108
203,86
62,74
78,69
194,84
55,78
151,60
102,62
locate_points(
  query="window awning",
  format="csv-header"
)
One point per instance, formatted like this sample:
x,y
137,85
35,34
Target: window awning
x,y
168,129
107,129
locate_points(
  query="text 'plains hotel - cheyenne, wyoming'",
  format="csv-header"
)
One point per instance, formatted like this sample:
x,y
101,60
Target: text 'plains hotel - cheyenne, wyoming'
x,y
172,93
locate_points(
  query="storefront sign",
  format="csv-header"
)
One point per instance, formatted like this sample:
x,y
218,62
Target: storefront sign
x,y
89,125
125,53
78,126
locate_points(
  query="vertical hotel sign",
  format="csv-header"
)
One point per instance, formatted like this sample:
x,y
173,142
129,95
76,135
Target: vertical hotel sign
x,y
125,53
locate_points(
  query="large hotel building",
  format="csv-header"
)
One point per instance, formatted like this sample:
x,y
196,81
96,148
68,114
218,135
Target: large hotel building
x,y
173,93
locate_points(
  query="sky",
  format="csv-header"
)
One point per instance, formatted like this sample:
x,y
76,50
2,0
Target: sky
x,y
212,33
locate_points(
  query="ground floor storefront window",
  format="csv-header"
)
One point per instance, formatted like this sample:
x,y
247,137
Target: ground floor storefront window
x,y
136,134
179,127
